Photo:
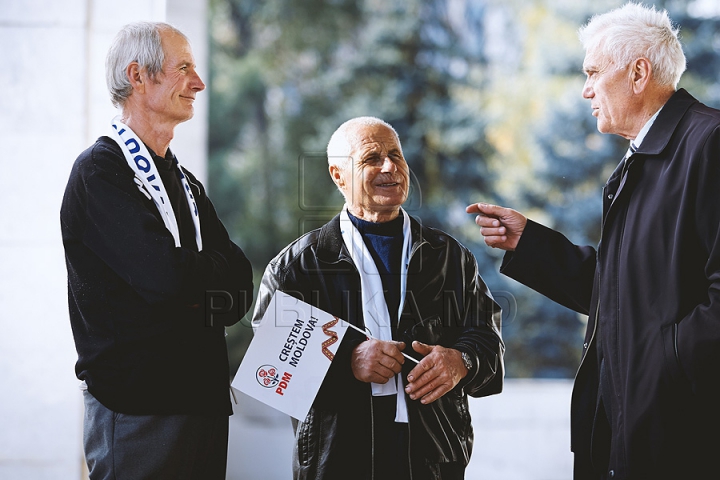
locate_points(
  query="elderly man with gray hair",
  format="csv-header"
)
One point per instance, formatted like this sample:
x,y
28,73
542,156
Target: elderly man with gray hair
x,y
646,401
144,247
416,291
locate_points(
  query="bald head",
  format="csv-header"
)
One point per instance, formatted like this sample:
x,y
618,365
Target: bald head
x,y
366,163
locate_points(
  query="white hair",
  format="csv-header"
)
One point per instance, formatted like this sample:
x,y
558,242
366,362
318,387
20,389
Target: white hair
x,y
136,42
633,31
344,139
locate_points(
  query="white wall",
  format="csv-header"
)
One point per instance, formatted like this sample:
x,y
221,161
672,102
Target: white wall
x,y
190,144
53,105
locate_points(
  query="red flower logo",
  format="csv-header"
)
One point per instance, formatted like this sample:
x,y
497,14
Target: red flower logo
x,y
267,376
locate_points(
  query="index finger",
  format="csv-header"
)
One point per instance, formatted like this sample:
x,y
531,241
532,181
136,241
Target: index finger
x,y
419,370
484,209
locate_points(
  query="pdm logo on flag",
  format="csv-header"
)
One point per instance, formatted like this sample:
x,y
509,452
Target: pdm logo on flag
x,y
289,355
267,376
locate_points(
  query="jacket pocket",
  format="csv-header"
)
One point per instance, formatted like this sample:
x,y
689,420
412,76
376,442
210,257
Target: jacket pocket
x,y
669,334
430,331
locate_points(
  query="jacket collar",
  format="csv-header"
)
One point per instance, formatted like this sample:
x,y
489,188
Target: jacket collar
x,y
654,143
331,248
666,123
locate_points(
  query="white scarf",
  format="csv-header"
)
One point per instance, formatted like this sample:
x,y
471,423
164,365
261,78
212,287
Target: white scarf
x,y
140,161
375,310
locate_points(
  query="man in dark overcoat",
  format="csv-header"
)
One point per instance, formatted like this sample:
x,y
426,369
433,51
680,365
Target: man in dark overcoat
x,y
646,399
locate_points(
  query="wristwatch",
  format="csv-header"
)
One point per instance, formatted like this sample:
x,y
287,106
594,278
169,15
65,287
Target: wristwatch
x,y
467,361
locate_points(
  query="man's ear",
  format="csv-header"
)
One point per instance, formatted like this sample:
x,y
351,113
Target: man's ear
x,y
641,72
136,76
337,176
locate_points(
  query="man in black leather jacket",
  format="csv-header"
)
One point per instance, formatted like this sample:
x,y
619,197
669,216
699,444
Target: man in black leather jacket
x,y
378,414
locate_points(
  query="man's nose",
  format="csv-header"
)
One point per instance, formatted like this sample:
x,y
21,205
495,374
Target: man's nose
x,y
587,91
388,166
196,83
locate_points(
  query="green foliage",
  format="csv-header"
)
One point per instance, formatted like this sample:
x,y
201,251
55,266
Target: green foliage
x,y
485,96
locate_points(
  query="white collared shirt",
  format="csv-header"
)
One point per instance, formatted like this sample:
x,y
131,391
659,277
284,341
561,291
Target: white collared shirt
x,y
637,141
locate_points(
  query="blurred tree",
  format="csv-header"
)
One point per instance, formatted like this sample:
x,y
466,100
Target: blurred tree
x,y
285,74
279,64
485,96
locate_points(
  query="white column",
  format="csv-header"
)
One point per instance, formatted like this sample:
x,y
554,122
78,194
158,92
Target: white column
x,y
190,143
54,105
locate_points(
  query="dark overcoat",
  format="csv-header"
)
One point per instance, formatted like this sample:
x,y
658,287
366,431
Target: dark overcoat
x,y
652,293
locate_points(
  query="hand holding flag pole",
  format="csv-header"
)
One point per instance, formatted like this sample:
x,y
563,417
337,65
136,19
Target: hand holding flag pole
x,y
370,336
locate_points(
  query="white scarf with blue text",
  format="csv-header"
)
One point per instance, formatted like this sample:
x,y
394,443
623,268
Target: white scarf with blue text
x,y
140,161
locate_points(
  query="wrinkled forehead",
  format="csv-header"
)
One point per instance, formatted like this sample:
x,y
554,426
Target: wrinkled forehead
x,y
374,137
596,59
176,46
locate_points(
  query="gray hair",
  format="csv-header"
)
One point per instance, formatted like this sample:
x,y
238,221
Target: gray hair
x,y
136,42
633,31
345,137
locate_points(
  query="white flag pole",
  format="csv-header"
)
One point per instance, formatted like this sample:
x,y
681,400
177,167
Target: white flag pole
x,y
366,334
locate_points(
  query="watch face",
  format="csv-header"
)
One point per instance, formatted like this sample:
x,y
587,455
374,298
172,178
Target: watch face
x,y
466,360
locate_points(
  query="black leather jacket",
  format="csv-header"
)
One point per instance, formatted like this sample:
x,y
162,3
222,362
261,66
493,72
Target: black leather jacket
x,y
447,303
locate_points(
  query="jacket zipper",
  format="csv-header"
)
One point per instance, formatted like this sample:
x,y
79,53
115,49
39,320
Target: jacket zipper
x,y
372,438
413,249
409,457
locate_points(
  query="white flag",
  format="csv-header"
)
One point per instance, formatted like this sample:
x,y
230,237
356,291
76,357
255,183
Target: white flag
x,y
289,355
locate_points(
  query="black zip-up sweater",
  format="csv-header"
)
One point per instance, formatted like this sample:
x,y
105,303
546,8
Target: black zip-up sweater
x,y
137,302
